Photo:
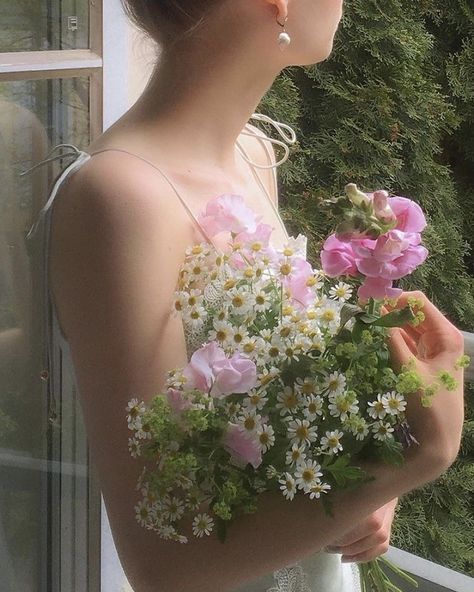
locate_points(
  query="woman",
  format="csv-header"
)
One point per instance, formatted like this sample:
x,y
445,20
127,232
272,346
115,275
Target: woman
x,y
119,235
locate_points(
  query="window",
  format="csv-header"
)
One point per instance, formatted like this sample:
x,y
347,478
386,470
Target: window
x,y
52,90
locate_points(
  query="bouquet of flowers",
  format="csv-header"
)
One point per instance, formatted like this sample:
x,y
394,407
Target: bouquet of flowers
x,y
289,379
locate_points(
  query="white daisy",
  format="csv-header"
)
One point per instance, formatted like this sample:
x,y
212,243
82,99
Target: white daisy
x,y
144,432
341,405
266,437
318,488
288,486
295,455
238,335
331,441
134,447
313,406
307,474
142,513
222,332
166,531
249,420
263,301
394,403
173,508
376,409
335,383
306,386
329,315
301,432
255,400
359,428
342,292
382,430
135,410
288,400
195,316
232,408
240,300
202,525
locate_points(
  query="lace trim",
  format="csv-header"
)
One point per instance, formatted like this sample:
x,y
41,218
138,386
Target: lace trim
x,y
290,579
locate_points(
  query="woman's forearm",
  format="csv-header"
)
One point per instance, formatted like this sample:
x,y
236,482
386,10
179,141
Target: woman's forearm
x,y
279,533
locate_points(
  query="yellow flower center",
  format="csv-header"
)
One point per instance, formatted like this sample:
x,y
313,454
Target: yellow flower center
x,y
285,269
237,300
308,475
302,432
249,423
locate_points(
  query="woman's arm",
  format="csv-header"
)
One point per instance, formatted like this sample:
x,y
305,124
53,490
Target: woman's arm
x,y
115,266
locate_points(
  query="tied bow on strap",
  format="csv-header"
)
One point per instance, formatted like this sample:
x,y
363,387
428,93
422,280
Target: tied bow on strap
x,y
80,157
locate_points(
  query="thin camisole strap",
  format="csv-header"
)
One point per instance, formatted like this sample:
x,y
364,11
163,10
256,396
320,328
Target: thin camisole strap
x,y
183,201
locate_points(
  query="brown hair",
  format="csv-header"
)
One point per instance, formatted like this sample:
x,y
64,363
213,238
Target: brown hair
x,y
168,21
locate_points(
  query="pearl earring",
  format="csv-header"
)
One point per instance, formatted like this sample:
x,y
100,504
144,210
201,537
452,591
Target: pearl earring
x,y
283,38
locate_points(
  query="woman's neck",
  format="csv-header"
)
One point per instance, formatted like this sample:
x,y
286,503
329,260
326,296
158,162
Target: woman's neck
x,y
200,100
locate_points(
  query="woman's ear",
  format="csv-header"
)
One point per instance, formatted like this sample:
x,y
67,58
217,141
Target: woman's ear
x,y
281,9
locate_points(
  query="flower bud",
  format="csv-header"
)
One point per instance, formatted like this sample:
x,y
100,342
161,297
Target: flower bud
x,y
358,198
382,209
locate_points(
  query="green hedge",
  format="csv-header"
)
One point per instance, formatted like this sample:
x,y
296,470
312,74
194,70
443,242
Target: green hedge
x,y
393,108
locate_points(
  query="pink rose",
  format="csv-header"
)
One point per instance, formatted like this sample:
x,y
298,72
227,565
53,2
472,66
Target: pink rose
x,y
337,257
228,212
242,446
211,371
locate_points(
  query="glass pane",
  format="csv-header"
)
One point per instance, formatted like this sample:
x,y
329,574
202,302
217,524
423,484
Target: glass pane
x,y
44,24
43,450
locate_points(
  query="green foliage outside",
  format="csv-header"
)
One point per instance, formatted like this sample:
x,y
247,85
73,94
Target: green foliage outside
x,y
393,108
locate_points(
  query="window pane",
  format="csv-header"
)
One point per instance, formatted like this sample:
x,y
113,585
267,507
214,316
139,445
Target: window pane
x,y
44,24
43,449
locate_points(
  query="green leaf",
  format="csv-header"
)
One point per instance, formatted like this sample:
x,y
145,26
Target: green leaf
x,y
344,474
396,318
391,452
348,311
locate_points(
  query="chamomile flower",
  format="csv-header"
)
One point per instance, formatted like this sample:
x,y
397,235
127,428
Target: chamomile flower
x,y
134,447
195,316
241,300
288,400
250,420
142,513
329,316
250,345
238,335
376,409
317,489
335,383
166,531
301,432
393,403
173,508
263,301
341,292
232,408
202,525
287,486
135,410
266,437
267,376
382,430
307,474
331,441
296,454
144,432
358,427
313,406
222,332
306,386
256,399
341,405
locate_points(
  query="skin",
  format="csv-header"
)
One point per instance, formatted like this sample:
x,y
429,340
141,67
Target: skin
x,y
118,239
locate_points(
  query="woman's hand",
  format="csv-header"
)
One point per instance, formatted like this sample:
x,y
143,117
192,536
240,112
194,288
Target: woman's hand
x,y
434,346
369,539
